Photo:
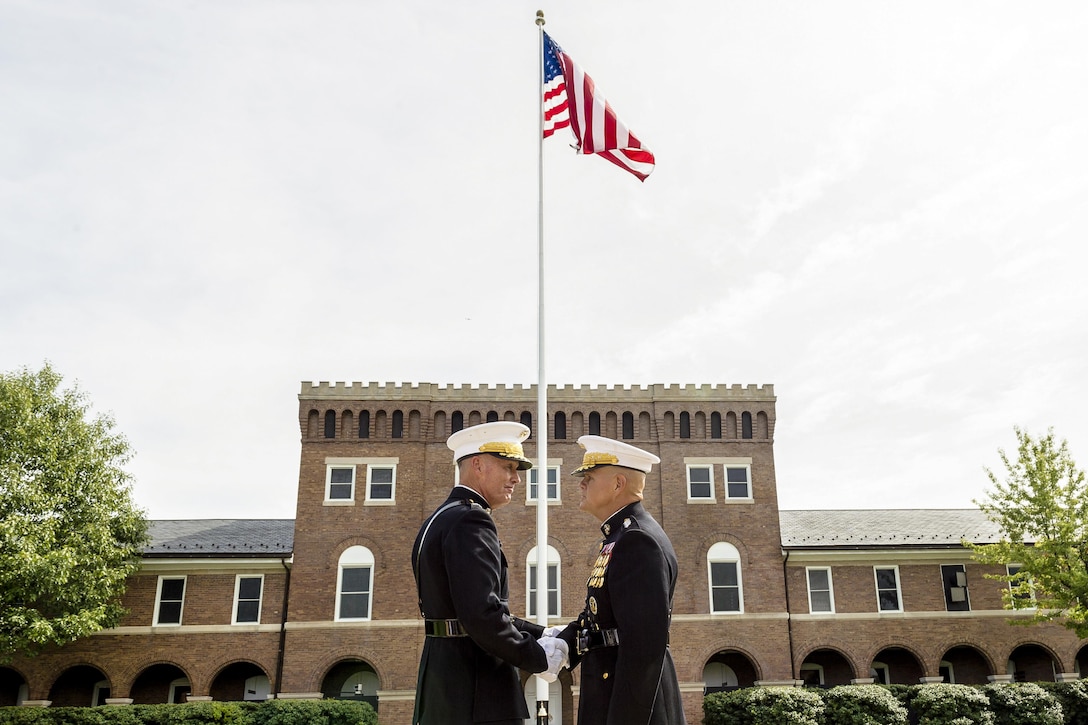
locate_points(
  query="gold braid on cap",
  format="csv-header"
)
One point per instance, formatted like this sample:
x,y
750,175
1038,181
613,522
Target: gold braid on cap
x,y
599,459
510,450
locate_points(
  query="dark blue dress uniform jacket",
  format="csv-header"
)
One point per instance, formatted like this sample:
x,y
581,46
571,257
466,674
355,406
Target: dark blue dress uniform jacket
x,y
461,574
630,590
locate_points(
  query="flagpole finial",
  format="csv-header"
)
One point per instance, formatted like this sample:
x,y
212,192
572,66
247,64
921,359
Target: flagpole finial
x,y
540,17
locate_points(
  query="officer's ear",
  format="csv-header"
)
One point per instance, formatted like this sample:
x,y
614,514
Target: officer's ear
x,y
621,482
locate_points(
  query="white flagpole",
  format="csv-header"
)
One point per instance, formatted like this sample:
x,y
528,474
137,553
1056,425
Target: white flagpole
x,y
541,391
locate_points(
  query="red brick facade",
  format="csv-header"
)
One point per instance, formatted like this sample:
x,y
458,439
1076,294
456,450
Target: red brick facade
x,y
765,633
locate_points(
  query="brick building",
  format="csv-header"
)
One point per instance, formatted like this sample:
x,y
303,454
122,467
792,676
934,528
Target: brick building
x,y
325,605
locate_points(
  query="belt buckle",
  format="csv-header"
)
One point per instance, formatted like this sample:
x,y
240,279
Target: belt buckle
x,y
582,643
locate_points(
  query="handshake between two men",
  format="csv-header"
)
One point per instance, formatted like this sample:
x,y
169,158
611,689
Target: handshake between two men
x,y
557,651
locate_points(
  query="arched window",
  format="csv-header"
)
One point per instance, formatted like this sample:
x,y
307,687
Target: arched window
x,y
364,423
398,424
527,421
553,582
354,583
715,425
628,425
561,425
492,416
594,424
685,425
723,569
330,423
457,421
746,425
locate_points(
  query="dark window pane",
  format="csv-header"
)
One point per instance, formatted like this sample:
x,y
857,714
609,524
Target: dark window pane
x,y
354,606
817,579
726,600
382,491
821,601
249,587
330,424
381,475
398,424
715,425
685,425
339,491
341,475
723,573
595,424
170,612
247,611
364,424
628,425
356,579
527,421
745,425
457,421
885,578
561,426
700,490
699,475
172,589
889,601
737,490
492,416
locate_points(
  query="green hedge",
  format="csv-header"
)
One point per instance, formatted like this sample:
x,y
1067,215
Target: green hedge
x,y
937,704
271,712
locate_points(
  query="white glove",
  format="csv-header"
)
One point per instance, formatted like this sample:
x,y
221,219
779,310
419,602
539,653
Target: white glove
x,y
558,657
552,631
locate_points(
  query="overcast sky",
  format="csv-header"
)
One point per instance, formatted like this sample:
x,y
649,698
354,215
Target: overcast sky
x,y
877,207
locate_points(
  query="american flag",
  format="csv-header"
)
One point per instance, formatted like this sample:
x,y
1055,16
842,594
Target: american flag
x,y
571,99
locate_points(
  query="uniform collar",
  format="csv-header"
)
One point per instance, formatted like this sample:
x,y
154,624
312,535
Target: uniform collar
x,y
614,520
463,492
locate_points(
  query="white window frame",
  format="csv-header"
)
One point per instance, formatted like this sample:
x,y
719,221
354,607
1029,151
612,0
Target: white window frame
x,y
553,465
370,468
530,585
1030,598
355,462
747,467
724,553
237,591
898,588
709,467
355,557
348,500
830,589
158,601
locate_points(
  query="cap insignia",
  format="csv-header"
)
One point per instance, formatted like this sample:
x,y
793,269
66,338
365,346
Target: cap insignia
x,y
503,448
592,458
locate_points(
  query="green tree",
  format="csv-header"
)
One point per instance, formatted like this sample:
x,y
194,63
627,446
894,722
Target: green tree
x,y
1042,509
70,534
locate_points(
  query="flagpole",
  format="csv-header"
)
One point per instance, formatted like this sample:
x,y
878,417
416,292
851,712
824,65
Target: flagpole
x,y
541,389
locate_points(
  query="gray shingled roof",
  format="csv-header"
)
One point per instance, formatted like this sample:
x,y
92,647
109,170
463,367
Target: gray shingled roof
x,y
221,537
885,527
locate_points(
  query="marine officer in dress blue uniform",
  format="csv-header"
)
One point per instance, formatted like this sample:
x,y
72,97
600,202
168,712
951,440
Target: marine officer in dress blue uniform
x,y
621,639
473,647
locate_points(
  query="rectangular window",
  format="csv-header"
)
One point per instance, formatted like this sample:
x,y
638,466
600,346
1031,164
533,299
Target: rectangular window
x,y
700,483
553,590
724,587
553,483
1023,594
170,600
354,593
339,483
888,596
820,596
247,599
380,482
954,577
737,482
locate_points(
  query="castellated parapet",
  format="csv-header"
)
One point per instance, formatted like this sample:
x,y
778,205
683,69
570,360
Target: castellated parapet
x,y
442,392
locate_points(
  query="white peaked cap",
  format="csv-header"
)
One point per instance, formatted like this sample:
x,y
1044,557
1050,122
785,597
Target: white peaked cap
x,y
607,452
502,438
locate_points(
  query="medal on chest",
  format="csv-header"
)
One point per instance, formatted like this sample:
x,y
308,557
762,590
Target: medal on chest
x,y
596,576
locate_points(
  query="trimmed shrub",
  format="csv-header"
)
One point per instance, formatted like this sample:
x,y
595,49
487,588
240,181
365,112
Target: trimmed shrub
x,y
764,706
944,704
1023,703
1073,697
272,712
863,705
314,712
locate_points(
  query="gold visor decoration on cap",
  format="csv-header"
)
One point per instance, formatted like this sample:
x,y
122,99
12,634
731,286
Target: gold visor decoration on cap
x,y
591,459
502,448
